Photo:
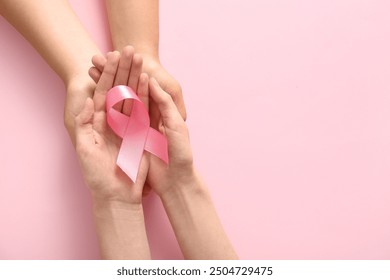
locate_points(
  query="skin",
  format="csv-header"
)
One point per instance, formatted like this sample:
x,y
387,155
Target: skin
x,y
117,200
56,33
54,30
136,23
67,50
185,197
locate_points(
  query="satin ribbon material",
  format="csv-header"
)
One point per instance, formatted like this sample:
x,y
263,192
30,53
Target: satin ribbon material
x,y
135,131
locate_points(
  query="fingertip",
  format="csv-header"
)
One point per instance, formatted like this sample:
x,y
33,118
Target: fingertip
x,y
94,73
99,60
154,88
137,59
153,84
143,89
128,51
144,78
113,56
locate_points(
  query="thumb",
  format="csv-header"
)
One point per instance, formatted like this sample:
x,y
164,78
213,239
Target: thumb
x,y
83,121
169,113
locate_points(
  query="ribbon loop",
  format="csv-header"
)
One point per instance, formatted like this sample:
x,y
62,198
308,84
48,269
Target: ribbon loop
x,y
135,131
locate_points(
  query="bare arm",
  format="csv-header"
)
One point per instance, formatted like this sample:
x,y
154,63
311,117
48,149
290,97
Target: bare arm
x,y
185,197
54,30
195,222
136,23
121,230
117,201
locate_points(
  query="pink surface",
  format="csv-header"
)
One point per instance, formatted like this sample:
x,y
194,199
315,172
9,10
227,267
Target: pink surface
x,y
289,111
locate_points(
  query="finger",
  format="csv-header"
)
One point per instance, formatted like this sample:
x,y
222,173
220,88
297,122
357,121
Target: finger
x,y
99,60
175,92
143,89
106,80
135,72
136,68
122,76
169,113
86,114
154,114
95,74
83,123
179,101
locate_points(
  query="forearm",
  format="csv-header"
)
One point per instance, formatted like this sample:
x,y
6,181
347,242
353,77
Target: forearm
x,y
196,224
54,30
135,22
121,230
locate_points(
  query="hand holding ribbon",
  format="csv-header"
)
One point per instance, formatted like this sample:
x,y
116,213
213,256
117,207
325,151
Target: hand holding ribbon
x,y
135,131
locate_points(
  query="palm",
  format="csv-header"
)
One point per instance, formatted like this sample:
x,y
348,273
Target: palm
x,y
106,178
78,90
157,169
106,144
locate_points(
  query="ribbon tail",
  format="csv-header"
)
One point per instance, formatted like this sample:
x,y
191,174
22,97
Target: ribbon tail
x,y
157,145
133,144
135,131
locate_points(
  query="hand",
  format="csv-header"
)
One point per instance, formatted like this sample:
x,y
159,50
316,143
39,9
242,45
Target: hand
x,y
180,171
167,119
78,90
153,67
98,147
171,124
129,72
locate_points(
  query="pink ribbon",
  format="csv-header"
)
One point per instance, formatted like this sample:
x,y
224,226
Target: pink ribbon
x,y
135,131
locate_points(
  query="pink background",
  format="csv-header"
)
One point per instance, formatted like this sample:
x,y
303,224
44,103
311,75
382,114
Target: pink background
x,y
289,111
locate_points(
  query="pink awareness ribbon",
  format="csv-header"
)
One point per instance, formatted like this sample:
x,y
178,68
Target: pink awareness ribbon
x,y
135,131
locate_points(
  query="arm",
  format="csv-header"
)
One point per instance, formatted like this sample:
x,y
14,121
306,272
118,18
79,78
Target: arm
x,y
196,223
121,230
117,200
54,30
185,197
136,23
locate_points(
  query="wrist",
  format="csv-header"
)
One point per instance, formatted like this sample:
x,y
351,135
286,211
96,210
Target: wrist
x,y
116,196
113,209
78,74
149,53
150,64
186,186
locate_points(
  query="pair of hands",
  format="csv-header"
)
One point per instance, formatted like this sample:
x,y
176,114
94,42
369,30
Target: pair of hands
x,y
117,200
80,86
98,146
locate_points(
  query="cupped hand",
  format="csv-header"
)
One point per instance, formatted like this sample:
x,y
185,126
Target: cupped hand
x,y
180,170
78,90
97,145
151,66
